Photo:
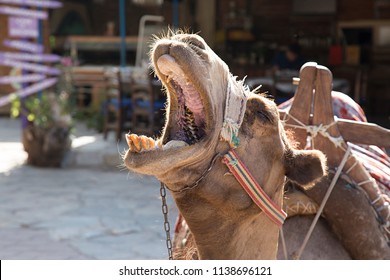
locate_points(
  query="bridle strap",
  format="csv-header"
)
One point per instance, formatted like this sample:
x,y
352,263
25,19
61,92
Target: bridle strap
x,y
254,190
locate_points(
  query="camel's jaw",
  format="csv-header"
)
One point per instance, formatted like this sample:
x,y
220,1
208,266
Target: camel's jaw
x,y
183,67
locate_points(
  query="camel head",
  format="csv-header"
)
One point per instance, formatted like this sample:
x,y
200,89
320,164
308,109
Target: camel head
x,y
202,98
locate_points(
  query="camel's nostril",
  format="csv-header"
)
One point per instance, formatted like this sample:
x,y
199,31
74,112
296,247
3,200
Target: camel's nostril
x,y
195,42
191,39
198,44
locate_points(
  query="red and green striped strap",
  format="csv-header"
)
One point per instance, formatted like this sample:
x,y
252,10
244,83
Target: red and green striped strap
x,y
244,177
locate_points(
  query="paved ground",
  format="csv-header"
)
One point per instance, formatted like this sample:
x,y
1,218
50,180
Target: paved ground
x,y
90,209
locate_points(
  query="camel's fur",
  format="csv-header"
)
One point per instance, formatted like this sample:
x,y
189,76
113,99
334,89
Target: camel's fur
x,y
224,221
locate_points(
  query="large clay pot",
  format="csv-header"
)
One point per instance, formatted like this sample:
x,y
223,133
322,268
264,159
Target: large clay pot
x,y
46,147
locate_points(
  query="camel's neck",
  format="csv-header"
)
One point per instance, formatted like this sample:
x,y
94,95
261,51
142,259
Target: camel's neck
x,y
254,238
223,231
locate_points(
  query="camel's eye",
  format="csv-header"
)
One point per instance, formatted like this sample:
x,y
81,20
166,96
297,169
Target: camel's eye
x,y
264,116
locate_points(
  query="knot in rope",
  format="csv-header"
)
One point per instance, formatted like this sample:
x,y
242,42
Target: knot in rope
x,y
314,130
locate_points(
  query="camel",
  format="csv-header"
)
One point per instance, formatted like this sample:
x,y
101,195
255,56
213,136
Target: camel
x,y
211,115
355,221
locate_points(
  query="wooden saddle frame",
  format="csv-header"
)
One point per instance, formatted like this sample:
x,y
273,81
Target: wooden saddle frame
x,y
365,233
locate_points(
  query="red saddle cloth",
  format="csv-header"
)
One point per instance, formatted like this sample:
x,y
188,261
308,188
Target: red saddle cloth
x,y
374,159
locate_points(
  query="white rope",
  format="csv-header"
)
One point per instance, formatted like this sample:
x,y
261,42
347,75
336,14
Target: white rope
x,y
283,244
366,182
384,206
314,130
376,200
306,208
353,165
325,199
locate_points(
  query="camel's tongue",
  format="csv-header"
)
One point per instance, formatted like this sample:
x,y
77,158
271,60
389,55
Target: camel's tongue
x,y
174,144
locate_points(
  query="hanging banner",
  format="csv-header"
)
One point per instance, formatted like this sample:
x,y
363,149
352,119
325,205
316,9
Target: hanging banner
x,y
30,66
34,3
11,11
30,57
28,91
23,27
23,45
22,79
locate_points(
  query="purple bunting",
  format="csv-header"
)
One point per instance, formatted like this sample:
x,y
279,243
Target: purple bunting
x,y
30,57
28,91
34,3
23,27
23,45
22,79
23,12
30,66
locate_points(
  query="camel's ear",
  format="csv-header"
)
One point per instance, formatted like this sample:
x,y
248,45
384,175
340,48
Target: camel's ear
x,y
305,167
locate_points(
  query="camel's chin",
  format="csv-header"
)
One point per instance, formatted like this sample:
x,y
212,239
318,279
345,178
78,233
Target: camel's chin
x,y
157,160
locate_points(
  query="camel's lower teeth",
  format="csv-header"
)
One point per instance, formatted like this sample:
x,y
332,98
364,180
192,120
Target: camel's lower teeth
x,y
191,130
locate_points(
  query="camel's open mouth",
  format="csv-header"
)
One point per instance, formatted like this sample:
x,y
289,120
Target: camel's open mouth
x,y
181,63
188,113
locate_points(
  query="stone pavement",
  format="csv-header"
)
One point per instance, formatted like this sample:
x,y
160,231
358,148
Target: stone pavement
x,y
90,209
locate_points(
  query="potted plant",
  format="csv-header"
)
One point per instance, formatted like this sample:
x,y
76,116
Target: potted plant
x,y
47,136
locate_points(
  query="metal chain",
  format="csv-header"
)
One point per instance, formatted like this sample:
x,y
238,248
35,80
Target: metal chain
x,y
164,207
204,175
167,226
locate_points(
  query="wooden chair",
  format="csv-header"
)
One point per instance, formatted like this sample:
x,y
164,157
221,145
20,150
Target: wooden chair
x,y
147,104
132,102
145,90
117,106
89,84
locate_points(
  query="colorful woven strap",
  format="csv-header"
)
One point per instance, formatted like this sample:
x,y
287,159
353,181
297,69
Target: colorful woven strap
x,y
243,176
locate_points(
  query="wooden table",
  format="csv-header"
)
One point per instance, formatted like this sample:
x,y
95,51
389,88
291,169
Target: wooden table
x,y
98,43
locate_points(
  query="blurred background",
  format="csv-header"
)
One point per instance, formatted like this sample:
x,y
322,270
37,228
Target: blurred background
x,y
352,38
75,76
